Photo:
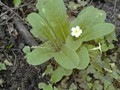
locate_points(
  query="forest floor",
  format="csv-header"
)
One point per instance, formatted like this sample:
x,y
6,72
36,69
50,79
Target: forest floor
x,y
19,75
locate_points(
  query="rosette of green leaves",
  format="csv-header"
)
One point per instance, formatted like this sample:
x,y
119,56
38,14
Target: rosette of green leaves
x,y
52,27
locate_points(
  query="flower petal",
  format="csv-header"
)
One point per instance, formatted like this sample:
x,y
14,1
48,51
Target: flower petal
x,y
77,27
72,33
72,29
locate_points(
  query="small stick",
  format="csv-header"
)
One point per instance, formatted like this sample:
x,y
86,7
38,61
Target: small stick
x,y
24,32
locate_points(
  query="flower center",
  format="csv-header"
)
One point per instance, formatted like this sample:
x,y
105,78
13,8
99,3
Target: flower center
x,y
76,31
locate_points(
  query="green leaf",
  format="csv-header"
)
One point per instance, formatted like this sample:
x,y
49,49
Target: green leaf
x,y
89,78
83,3
73,43
89,85
88,17
67,58
97,86
59,73
97,31
84,58
104,47
106,83
97,66
55,88
54,12
26,49
48,70
110,37
73,87
40,55
39,5
17,3
45,86
111,87
2,66
73,6
40,27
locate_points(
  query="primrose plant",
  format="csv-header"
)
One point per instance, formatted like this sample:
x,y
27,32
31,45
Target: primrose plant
x,y
67,42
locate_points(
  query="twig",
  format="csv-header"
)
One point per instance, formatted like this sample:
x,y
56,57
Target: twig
x,y
15,63
21,6
10,9
2,14
7,20
24,32
90,2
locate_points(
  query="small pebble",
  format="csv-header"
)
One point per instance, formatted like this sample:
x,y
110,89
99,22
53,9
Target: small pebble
x,y
21,45
119,16
8,63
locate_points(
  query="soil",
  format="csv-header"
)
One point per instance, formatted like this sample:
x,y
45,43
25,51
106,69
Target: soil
x,y
19,75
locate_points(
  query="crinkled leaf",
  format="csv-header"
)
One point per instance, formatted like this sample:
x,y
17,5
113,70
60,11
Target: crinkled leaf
x,y
40,27
97,86
83,3
89,85
98,75
110,37
97,66
73,43
67,58
54,12
106,83
88,17
97,31
84,58
89,78
40,55
111,87
73,87
73,6
59,73
55,88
